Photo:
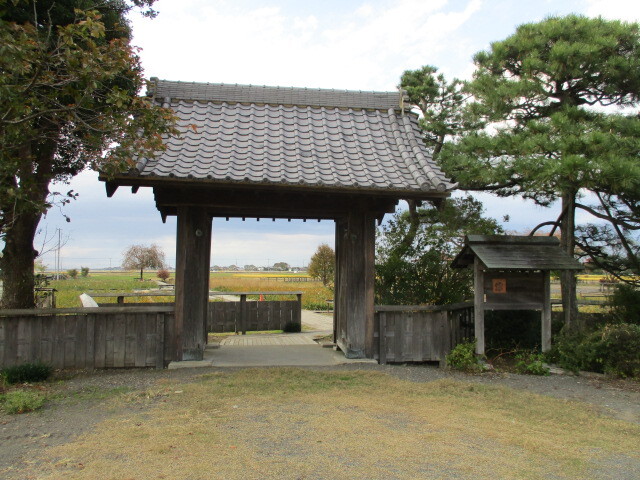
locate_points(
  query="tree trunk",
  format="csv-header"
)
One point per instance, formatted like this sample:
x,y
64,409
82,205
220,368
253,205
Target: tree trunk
x,y
568,244
17,262
141,273
22,217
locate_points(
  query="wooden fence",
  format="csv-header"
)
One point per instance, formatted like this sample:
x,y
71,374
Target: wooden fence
x,y
421,333
246,316
88,337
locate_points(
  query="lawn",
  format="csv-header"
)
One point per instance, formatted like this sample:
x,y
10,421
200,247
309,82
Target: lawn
x,y
302,424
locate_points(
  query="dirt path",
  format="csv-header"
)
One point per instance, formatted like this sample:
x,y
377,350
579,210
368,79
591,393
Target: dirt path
x,y
80,403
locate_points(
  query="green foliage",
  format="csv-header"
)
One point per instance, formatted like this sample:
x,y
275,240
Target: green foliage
x,y
72,272
84,271
69,100
292,327
531,363
323,264
26,373
440,103
463,357
625,304
612,349
412,258
21,401
539,136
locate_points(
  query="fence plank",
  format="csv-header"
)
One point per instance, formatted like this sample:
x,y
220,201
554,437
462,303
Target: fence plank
x,y
382,335
90,359
119,332
130,339
100,334
414,334
160,340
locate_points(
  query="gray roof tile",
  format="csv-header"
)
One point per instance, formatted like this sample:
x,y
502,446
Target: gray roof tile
x,y
294,136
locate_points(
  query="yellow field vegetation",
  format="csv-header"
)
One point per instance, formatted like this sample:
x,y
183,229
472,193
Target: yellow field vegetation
x,y
314,294
270,275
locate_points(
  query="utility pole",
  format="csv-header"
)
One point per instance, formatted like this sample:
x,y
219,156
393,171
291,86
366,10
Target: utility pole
x,y
58,262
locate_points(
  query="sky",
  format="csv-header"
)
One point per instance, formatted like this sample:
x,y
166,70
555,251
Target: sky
x,y
342,44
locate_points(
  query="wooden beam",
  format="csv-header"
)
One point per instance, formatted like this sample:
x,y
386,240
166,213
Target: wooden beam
x,y
268,204
546,312
110,188
193,253
478,304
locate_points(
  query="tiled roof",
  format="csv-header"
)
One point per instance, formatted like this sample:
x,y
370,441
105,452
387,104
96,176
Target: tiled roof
x,y
272,135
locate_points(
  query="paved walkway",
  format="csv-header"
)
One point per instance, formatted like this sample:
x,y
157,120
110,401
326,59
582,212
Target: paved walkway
x,y
269,339
282,350
314,324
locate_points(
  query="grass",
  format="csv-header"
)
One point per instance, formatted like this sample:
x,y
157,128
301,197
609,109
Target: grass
x,y
21,401
294,423
69,290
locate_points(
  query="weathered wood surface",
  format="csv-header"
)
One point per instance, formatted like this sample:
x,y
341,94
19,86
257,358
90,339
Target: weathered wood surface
x,y
193,255
117,337
418,334
522,288
268,315
354,282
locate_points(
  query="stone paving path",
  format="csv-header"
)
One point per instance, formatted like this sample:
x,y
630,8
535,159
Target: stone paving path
x,y
268,339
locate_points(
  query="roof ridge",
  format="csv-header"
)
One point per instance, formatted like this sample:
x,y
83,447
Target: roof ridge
x,y
274,95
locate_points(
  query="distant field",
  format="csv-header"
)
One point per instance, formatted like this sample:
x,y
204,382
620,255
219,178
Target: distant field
x,y
314,297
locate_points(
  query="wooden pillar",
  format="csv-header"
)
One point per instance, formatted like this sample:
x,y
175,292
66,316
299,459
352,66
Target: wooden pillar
x,y
354,302
478,304
546,312
193,252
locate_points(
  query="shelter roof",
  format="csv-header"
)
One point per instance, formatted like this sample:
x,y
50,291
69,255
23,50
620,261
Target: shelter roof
x,y
338,140
510,252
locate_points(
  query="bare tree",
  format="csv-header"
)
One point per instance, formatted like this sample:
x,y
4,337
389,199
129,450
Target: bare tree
x,y
141,257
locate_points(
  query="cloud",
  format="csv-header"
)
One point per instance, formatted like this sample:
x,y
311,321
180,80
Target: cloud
x,y
222,43
627,10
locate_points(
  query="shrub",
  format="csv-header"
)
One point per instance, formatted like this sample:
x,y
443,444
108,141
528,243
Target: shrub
x,y
84,271
625,305
531,363
612,349
292,327
20,401
463,357
618,350
73,273
163,274
27,372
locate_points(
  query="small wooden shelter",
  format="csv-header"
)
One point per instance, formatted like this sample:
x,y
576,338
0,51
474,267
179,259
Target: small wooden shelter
x,y
272,152
512,273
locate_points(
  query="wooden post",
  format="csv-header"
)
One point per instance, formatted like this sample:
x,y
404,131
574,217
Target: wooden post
x,y
193,253
299,310
546,312
354,302
382,337
478,304
243,314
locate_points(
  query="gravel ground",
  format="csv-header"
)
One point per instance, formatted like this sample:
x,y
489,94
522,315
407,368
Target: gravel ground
x,y
22,436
